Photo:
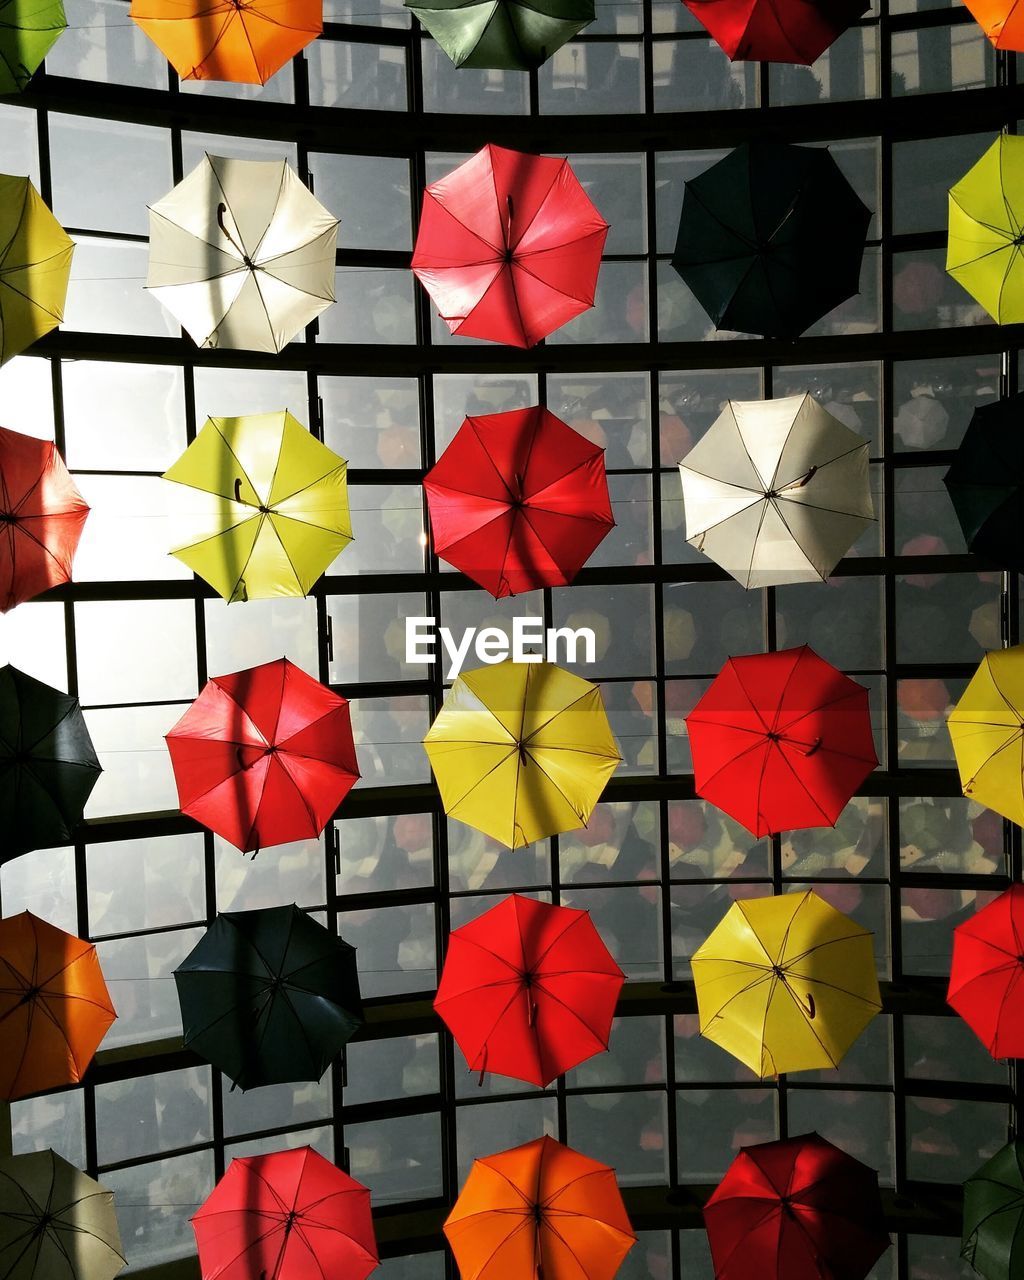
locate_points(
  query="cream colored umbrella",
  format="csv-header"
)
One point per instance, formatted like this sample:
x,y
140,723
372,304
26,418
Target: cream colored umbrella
x,y
776,491
242,254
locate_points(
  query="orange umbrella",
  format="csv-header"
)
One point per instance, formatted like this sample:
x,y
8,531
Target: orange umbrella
x,y
539,1210
54,1006
241,40
1001,20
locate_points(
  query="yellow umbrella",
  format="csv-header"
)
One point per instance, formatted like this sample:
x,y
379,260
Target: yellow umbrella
x,y
987,729
986,230
274,511
521,751
35,264
786,983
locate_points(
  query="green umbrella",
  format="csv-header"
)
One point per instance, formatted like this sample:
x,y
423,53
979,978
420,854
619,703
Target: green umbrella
x,y
993,1239
269,996
48,766
28,31
56,1223
509,35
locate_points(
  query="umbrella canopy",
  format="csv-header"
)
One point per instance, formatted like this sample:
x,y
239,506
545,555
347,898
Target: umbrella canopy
x,y
35,266
993,1231
985,253
539,1210
28,31
1001,20
242,254
779,31
799,1209
507,35
277,512
985,974
224,40
776,491
521,751
41,518
56,1223
269,996
518,501
290,1215
987,728
264,756
986,483
786,983
54,1006
509,246
781,741
528,990
771,238
48,766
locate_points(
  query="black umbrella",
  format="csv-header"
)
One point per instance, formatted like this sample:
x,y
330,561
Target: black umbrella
x,y
771,238
269,997
48,766
986,483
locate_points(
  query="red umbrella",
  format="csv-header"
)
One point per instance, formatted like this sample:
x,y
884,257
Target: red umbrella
x,y
776,30
799,1209
291,1215
518,500
781,740
985,977
264,756
509,246
528,990
41,518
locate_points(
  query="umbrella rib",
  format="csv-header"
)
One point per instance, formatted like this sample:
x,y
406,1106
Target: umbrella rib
x,y
513,750
494,466
818,946
5,250
555,714
1017,737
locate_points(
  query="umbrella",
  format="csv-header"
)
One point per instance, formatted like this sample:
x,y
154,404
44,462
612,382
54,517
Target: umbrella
x,y
1001,21
771,238
506,35
985,253
781,741
28,31
54,1006
277,513
986,483
528,990
776,30
521,751
993,1231
985,972
776,491
987,729
227,40
541,1210
35,266
516,267
518,501
242,254
786,983
41,518
264,756
56,1223
290,1215
798,1209
269,996
48,766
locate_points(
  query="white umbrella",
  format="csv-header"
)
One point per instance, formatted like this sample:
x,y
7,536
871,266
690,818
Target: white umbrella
x,y
776,491
242,254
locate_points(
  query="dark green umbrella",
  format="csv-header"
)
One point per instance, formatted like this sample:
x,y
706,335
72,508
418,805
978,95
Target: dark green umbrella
x,y
269,997
28,31
771,238
510,35
993,1238
986,483
48,766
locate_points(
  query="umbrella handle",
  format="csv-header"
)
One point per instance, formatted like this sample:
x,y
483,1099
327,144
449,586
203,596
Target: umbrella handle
x,y
810,1005
238,488
813,747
